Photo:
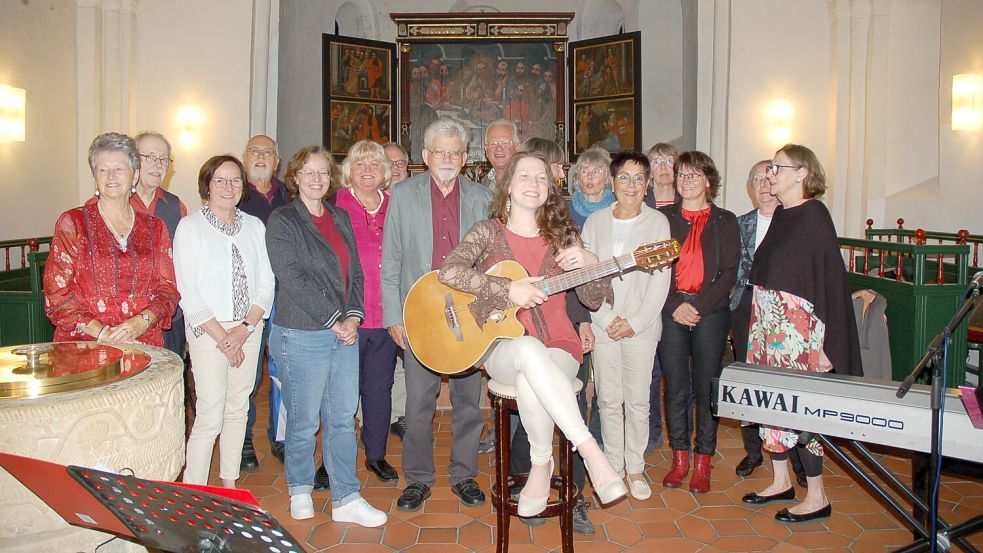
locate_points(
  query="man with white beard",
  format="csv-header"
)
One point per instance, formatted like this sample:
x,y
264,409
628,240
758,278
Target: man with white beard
x,y
266,193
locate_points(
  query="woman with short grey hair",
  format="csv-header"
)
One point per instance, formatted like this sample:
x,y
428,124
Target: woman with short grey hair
x,y
590,184
110,276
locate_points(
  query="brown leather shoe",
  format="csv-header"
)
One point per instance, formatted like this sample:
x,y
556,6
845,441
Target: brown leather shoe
x,y
679,470
700,483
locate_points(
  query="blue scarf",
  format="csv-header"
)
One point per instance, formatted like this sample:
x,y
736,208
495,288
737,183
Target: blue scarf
x,y
585,207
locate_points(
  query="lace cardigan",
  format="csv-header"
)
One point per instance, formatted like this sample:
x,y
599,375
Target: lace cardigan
x,y
483,246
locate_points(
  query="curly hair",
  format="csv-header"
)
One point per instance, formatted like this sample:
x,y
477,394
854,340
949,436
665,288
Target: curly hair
x,y
553,217
297,162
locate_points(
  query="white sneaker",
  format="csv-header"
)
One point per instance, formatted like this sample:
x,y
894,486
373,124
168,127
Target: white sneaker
x,y
639,487
359,512
301,506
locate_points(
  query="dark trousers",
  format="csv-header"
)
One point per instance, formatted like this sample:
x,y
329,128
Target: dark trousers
x,y
655,403
704,344
519,456
811,465
251,417
174,339
422,387
740,325
376,365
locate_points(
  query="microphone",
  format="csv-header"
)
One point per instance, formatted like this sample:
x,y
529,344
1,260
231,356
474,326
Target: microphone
x,y
975,285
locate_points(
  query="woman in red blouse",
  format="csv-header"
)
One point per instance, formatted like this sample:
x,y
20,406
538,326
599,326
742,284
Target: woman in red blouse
x,y
529,224
109,276
696,315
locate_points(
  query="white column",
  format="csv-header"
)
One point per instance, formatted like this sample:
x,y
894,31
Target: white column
x,y
88,68
260,67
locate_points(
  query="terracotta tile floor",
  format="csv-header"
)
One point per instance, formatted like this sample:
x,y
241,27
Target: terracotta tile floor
x,y
671,520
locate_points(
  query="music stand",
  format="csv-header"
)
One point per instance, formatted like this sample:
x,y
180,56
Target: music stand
x,y
181,518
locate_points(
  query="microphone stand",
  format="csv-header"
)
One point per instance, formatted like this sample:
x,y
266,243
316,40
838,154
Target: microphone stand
x,y
932,359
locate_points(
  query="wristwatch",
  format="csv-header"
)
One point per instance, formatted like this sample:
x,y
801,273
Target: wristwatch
x,y
145,317
249,328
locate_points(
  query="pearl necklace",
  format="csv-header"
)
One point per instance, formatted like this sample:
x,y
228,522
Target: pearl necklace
x,y
121,237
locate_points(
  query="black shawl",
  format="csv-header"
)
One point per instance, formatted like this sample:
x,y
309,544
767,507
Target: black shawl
x,y
801,255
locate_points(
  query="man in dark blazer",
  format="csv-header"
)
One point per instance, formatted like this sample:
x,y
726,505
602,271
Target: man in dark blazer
x,y
428,215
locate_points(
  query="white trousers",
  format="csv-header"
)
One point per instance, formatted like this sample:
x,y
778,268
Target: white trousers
x,y
543,379
622,377
222,405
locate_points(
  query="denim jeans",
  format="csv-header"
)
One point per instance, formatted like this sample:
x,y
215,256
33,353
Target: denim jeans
x,y
320,376
251,418
704,344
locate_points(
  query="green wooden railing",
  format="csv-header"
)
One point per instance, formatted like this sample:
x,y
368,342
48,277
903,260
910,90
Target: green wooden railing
x,y
923,285
22,317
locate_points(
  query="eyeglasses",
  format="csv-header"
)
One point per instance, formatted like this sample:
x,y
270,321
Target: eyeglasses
x,y
667,161
588,172
624,178
115,171
447,154
398,163
151,158
234,183
312,175
759,180
688,176
260,152
774,168
500,143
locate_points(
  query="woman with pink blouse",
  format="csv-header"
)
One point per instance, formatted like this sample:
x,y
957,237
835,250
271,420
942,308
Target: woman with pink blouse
x,y
366,174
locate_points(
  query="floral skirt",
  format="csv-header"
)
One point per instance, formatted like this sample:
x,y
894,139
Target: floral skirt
x,y
785,332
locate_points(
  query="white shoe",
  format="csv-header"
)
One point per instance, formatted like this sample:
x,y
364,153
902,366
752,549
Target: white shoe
x,y
359,512
639,487
301,506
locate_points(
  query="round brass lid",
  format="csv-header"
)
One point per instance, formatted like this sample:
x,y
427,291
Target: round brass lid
x,y
37,370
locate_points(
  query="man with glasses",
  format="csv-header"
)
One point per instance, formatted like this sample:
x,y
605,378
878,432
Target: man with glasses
x,y
399,160
266,193
501,141
428,215
155,158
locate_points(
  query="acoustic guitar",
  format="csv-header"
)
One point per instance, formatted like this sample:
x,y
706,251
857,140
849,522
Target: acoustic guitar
x,y
444,334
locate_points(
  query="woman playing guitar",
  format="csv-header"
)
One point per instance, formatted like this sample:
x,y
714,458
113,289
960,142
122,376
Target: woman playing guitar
x,y
530,225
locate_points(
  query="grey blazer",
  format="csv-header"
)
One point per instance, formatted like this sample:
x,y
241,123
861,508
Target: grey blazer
x,y
407,240
748,224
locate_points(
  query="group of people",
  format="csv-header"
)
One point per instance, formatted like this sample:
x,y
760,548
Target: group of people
x,y
317,267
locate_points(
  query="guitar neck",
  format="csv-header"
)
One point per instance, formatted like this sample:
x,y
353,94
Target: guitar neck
x,y
572,279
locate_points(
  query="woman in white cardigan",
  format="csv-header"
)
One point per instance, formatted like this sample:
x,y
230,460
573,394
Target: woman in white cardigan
x,y
627,333
226,285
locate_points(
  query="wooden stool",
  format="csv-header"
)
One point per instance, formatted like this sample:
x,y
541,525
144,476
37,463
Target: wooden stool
x,y
503,401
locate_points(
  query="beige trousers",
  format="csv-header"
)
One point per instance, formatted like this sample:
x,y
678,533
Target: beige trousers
x,y
622,376
222,405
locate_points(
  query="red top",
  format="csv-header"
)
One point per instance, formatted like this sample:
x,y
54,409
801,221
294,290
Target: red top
x,y
689,268
446,219
88,276
531,254
325,224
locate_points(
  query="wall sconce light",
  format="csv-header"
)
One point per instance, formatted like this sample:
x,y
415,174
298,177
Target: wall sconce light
x,y
190,121
778,118
13,111
967,102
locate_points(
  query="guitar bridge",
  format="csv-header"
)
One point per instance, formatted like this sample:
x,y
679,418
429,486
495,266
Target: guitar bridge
x,y
451,316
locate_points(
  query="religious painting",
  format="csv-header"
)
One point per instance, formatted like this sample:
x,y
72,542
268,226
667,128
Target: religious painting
x,y
605,86
610,124
479,83
479,68
357,90
350,122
